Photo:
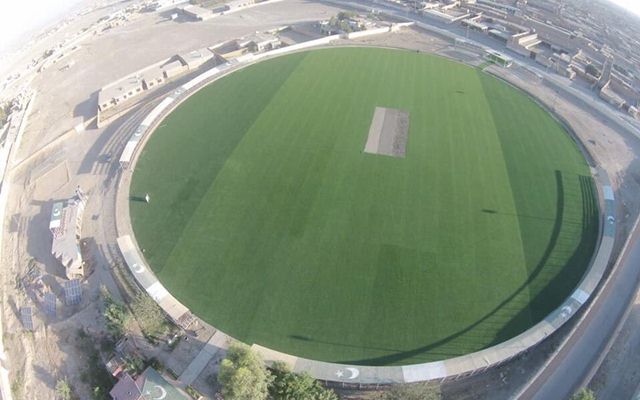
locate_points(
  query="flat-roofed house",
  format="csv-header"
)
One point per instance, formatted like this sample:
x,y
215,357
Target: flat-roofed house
x,y
152,78
114,94
260,42
196,12
196,58
229,50
65,226
173,68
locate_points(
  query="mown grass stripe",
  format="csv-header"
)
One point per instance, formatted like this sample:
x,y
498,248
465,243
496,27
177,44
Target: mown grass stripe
x,y
305,244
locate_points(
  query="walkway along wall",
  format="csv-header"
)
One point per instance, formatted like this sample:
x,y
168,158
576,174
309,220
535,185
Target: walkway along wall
x,y
464,365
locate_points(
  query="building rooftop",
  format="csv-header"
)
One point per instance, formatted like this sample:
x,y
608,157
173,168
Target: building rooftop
x,y
229,49
152,74
65,230
500,6
197,12
499,33
475,23
195,58
258,37
120,89
126,389
172,65
56,215
150,385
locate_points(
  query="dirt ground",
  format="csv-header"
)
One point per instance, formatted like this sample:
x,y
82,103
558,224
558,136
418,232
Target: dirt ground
x,y
58,347
53,159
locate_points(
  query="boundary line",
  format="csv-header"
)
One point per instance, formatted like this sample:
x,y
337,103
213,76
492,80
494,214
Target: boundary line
x,y
466,365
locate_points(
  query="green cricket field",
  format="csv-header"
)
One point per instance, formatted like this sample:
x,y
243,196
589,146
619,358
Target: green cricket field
x,y
270,221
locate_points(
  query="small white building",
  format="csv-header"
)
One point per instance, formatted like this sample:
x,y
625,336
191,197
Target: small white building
x,y
229,50
196,12
65,226
260,42
114,94
152,78
475,23
196,58
173,68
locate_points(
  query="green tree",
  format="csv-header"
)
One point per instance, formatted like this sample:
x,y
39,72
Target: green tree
x,y
288,385
243,375
63,390
344,26
419,391
346,15
98,393
133,365
584,394
149,315
116,317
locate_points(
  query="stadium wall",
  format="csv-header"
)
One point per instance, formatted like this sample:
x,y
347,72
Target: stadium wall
x,y
469,364
369,32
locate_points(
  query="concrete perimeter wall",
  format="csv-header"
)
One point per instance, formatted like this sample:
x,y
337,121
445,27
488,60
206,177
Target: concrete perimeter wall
x,y
459,366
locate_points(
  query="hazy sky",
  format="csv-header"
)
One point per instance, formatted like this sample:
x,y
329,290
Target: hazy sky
x,y
18,17
633,5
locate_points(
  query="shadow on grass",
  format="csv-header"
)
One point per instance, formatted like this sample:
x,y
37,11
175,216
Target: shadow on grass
x,y
140,199
523,318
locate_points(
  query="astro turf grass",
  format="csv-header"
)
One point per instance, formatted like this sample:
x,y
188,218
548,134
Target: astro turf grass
x,y
267,219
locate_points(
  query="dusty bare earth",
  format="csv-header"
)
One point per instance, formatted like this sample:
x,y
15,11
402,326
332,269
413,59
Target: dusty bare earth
x,y
66,346
53,159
